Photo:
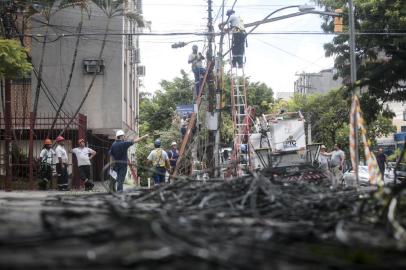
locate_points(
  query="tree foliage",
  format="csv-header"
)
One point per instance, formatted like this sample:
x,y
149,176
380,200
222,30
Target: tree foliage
x,y
381,58
13,59
157,112
328,115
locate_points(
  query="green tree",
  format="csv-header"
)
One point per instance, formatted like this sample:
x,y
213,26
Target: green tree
x,y
381,58
259,95
329,118
13,59
156,113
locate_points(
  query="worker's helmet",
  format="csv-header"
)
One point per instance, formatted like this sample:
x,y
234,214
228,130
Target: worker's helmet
x,y
119,133
81,140
59,139
323,147
47,142
194,47
157,143
173,143
230,12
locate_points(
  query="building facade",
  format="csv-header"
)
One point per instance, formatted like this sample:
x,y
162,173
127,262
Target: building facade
x,y
321,82
112,94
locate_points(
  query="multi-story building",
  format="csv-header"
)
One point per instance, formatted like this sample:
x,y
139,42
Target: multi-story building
x,y
321,82
112,101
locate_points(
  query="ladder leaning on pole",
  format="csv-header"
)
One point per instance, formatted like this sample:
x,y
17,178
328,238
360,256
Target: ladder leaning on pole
x,y
192,123
241,121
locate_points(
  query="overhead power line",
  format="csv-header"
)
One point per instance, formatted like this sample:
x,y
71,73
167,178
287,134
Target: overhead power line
x,y
217,34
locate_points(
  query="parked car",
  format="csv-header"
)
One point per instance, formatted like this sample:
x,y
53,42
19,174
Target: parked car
x,y
401,172
363,176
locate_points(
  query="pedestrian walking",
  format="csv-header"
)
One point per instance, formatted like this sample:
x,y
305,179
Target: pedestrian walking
x,y
159,161
381,160
46,155
62,164
84,155
336,164
173,155
118,152
196,59
236,25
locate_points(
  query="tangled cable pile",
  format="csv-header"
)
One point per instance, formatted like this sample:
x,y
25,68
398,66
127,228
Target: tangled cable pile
x,y
250,222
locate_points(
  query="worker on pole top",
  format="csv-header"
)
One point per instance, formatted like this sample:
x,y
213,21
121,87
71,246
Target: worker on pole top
x,y
236,25
196,59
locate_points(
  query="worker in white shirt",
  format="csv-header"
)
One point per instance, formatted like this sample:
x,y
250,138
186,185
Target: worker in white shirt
x,y
62,164
84,155
236,26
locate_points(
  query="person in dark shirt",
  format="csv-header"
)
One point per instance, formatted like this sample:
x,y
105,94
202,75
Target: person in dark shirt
x,y
381,160
118,152
173,155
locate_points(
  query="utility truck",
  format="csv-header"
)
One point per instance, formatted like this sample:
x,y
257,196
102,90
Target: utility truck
x,y
278,146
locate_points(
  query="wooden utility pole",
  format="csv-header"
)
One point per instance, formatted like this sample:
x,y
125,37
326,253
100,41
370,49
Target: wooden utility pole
x,y
219,92
211,116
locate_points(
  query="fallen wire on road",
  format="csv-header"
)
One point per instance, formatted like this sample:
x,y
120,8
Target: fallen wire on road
x,y
250,222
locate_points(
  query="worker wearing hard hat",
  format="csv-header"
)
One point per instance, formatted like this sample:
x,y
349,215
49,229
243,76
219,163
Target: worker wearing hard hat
x,y
46,162
84,155
62,163
159,161
118,152
173,155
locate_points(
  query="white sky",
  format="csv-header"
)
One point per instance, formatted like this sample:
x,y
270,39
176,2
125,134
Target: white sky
x,y
272,59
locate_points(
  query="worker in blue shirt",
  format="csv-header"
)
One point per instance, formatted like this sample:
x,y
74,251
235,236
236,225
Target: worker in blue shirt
x,y
118,152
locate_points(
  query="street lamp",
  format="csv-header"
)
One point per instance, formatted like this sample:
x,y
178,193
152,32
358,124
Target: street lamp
x,y
303,9
182,44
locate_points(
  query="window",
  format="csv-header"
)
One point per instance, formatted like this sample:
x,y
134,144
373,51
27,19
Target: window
x,y
141,71
403,129
404,115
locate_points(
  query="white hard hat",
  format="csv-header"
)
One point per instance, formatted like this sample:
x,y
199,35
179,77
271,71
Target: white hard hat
x,y
119,133
323,146
174,143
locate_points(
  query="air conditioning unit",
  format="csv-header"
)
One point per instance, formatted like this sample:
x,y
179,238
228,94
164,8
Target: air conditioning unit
x,y
141,71
92,66
136,56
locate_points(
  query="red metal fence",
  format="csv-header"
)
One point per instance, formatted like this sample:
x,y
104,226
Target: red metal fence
x,y
27,142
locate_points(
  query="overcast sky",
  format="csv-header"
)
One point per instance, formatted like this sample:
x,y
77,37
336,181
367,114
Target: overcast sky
x,y
272,59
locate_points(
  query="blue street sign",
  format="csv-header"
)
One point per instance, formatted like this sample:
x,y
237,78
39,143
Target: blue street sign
x,y
184,109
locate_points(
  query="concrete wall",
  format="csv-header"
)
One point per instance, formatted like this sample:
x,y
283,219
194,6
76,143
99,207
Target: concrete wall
x,y
104,105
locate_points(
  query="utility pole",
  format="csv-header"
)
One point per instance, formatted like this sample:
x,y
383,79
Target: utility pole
x,y
219,94
7,141
353,80
211,115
